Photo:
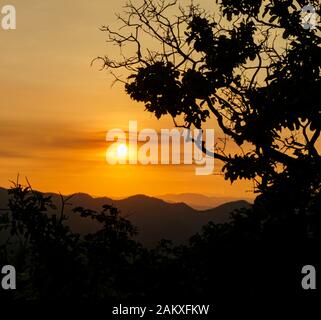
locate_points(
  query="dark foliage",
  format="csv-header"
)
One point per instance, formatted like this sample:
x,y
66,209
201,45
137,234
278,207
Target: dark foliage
x,y
52,262
251,70
256,72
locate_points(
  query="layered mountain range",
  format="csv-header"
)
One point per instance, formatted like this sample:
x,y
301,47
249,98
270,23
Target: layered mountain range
x,y
155,218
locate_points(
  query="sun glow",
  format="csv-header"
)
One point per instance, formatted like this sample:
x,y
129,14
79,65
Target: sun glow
x,y
122,151
118,153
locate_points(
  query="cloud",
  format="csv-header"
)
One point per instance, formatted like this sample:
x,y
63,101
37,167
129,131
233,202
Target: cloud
x,y
12,154
75,140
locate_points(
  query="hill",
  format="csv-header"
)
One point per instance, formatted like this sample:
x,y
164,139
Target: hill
x,y
155,218
198,201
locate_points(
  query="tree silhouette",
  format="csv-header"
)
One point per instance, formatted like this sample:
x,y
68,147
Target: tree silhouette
x,y
254,70
53,262
251,70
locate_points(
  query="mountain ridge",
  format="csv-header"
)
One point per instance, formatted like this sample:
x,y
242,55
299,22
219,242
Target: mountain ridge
x,y
155,218
200,201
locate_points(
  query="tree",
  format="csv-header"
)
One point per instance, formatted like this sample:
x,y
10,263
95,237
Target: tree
x,y
251,70
54,262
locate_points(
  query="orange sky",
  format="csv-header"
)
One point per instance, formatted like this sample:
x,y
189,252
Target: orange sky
x,y
55,109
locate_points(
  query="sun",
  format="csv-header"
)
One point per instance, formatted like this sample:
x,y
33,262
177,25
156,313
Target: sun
x,y
122,151
117,153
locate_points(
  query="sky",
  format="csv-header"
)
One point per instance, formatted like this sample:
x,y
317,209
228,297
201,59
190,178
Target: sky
x,y
55,108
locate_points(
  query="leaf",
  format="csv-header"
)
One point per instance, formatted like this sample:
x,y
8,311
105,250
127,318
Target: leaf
x,y
273,18
286,34
266,10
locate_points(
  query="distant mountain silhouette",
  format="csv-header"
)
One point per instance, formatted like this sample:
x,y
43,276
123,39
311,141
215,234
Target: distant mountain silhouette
x,y
198,201
155,218
3,196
